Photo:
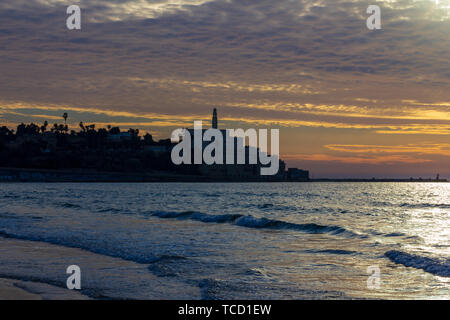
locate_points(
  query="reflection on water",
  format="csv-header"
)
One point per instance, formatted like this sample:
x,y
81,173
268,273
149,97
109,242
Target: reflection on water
x,y
279,240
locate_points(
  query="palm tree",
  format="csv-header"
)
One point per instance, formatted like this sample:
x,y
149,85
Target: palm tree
x,y
44,127
65,115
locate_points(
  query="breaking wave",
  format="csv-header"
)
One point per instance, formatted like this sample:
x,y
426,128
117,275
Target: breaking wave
x,y
256,223
68,205
333,251
433,266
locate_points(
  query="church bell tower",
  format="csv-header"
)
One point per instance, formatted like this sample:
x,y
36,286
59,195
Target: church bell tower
x,y
214,119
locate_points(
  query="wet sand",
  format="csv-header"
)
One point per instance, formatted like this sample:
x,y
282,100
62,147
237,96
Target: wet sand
x,y
37,270
12,289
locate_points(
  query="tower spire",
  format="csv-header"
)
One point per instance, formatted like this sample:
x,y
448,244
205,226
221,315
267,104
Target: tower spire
x,y
214,119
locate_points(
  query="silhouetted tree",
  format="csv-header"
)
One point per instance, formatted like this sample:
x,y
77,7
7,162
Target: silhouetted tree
x,y
23,129
44,126
52,147
4,131
114,130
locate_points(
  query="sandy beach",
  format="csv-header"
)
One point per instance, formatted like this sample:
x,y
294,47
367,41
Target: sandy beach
x,y
12,289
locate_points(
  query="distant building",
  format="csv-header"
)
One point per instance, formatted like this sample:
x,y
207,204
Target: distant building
x,y
214,119
234,171
294,174
122,136
157,150
76,140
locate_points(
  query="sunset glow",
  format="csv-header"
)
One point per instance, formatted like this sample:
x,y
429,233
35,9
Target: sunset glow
x,y
159,65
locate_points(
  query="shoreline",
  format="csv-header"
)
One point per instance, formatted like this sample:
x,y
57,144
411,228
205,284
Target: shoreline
x,y
51,175
72,176
36,270
16,289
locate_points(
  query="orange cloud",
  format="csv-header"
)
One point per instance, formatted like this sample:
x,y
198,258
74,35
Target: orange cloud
x,y
166,120
434,149
355,160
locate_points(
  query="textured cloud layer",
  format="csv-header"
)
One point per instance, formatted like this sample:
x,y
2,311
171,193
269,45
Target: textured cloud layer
x,y
297,64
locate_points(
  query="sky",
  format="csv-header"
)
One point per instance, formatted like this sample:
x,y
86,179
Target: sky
x,y
349,101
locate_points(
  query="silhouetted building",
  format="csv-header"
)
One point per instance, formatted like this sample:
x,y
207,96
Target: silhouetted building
x,y
295,174
119,137
236,171
156,149
214,119
110,150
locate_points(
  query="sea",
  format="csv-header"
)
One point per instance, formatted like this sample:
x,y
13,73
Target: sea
x,y
320,240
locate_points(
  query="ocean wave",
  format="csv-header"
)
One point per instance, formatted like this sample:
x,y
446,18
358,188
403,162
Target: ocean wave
x,y
426,205
5,235
198,216
270,207
333,251
248,289
430,265
9,216
265,206
166,257
111,210
395,234
166,265
68,205
11,196
78,243
256,272
255,223
212,195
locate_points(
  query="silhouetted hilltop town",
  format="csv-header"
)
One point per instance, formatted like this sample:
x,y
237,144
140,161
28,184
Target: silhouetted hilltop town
x,y
54,153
